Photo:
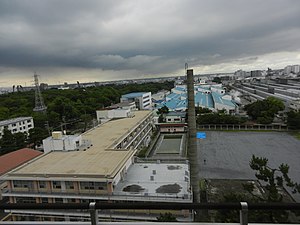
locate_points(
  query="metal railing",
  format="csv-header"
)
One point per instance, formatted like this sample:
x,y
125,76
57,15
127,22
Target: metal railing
x,y
93,207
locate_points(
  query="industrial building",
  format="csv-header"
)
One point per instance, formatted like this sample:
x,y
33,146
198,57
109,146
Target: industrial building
x,y
20,124
96,168
212,97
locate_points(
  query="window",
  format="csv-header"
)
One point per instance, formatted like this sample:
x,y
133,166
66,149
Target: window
x,y
44,200
92,185
69,185
25,200
22,184
56,184
29,125
42,184
59,200
14,124
72,200
28,121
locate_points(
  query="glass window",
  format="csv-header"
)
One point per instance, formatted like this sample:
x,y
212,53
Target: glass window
x,y
56,184
42,184
69,185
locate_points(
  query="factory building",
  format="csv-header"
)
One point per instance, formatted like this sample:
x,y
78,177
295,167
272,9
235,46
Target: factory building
x,y
213,97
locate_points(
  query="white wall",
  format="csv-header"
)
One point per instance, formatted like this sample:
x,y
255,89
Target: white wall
x,y
66,143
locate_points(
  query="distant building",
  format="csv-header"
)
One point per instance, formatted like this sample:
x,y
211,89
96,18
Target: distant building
x,y
43,86
256,73
212,97
120,110
176,117
292,69
159,96
240,73
142,100
20,124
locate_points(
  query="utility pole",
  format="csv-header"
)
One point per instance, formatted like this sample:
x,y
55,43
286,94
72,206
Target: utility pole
x,y
192,141
39,102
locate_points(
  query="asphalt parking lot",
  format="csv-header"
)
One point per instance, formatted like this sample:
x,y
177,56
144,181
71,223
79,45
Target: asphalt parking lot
x,y
226,155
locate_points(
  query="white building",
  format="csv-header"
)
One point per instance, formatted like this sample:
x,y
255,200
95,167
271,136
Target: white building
x,y
296,68
60,142
142,100
114,113
120,110
175,117
20,124
289,69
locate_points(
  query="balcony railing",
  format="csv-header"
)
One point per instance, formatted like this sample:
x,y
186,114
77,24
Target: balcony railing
x,y
93,208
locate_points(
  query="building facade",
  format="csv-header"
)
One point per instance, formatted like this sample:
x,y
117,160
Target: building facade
x,y
82,174
20,124
143,100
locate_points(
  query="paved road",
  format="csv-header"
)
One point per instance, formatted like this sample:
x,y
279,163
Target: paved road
x,y
226,155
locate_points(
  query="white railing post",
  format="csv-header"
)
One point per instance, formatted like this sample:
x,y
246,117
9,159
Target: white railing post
x,y
93,213
244,213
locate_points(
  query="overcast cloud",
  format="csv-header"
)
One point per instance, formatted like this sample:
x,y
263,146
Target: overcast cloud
x,y
70,40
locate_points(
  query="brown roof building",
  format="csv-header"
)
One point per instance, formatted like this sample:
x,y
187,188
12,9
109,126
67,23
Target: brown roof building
x,y
14,159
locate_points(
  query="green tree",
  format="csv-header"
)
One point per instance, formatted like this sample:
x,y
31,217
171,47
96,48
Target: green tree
x,y
85,118
217,80
166,217
20,140
7,142
274,180
162,113
293,119
36,136
265,110
4,113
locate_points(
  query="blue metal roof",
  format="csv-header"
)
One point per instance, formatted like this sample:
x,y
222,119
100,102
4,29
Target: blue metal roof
x,y
180,88
204,100
134,94
218,99
173,96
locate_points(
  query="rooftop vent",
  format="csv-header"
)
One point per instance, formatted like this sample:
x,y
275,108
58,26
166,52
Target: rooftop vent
x,y
57,135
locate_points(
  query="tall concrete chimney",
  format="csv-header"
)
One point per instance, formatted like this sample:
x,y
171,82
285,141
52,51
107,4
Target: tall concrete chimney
x,y
192,141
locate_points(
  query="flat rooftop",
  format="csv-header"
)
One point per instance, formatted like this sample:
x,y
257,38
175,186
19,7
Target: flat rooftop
x,y
99,161
157,180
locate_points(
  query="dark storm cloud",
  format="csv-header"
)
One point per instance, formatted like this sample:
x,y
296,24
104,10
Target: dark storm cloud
x,y
151,37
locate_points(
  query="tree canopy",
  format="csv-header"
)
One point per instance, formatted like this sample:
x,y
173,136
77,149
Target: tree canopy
x,y
67,107
265,110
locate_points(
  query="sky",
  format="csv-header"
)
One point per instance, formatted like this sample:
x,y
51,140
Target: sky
x,y
95,40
